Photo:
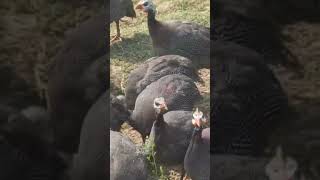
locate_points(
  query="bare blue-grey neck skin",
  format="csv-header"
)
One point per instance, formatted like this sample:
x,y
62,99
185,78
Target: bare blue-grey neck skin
x,y
150,9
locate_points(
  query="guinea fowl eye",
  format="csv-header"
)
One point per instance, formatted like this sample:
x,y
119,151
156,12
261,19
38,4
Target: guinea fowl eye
x,y
145,3
157,104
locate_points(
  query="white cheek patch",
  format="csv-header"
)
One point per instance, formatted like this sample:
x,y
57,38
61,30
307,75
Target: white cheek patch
x,y
193,122
197,114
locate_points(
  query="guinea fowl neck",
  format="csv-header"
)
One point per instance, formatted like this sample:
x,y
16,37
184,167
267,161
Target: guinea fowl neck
x,y
196,136
195,139
152,22
159,119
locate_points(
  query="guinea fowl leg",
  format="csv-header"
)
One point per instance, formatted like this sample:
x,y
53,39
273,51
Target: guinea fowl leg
x,y
183,174
185,177
118,36
143,139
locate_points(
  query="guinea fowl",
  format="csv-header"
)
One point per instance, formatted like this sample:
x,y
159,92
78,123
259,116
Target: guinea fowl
x,y
119,9
25,150
197,157
76,79
119,113
282,167
300,138
257,33
170,133
283,12
235,167
28,129
15,94
152,70
32,122
91,160
179,91
248,101
17,163
125,160
178,37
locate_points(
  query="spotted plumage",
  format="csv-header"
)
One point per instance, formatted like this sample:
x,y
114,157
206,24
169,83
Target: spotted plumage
x,y
181,96
248,101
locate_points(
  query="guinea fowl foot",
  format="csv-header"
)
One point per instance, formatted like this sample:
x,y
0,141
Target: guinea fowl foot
x,y
185,177
125,21
115,39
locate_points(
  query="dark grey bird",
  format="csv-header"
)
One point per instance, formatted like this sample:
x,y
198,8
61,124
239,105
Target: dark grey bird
x,y
171,133
179,91
26,149
152,70
91,160
119,112
281,12
248,101
258,35
126,162
18,163
300,138
15,94
234,167
118,10
76,79
32,121
197,157
183,38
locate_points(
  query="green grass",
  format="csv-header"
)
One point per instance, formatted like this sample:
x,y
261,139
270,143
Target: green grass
x,y
136,47
157,171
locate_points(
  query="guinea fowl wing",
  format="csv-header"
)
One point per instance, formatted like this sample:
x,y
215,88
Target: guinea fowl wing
x,y
257,34
179,91
166,65
252,34
152,70
131,89
125,160
172,137
189,40
248,99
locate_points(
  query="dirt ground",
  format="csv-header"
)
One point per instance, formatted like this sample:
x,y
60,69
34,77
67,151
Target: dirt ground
x,y
304,43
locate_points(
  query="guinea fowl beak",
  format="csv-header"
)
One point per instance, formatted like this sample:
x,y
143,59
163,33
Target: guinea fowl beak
x,y
160,103
139,6
196,122
164,107
198,118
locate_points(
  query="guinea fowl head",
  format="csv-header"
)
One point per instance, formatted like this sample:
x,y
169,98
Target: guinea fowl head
x,y
198,120
160,105
119,112
281,167
146,6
